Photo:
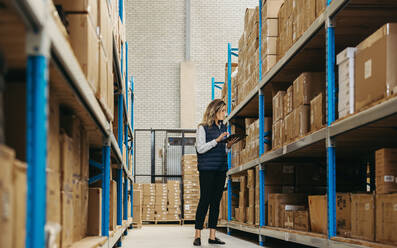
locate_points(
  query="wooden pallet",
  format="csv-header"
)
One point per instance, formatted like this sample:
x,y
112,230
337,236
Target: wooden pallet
x,y
155,222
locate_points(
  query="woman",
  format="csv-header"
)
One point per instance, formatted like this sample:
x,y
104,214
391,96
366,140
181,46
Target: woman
x,y
212,166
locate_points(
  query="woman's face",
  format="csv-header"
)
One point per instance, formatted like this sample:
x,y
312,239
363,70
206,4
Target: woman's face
x,y
220,115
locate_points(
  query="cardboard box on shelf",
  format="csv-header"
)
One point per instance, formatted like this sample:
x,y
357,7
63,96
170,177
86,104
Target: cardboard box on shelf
x,y
375,76
113,204
278,107
270,8
84,41
363,216
251,215
345,61
7,156
94,225
302,120
251,178
386,218
289,127
317,113
89,7
307,86
318,213
343,214
386,170
278,134
19,203
275,210
320,6
67,219
66,163
301,220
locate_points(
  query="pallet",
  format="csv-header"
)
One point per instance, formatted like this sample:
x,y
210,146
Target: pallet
x,y
188,220
155,222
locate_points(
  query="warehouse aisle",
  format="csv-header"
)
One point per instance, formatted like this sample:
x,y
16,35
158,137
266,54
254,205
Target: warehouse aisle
x,y
167,236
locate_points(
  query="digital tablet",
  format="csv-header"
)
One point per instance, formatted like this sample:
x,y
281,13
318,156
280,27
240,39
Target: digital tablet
x,y
233,136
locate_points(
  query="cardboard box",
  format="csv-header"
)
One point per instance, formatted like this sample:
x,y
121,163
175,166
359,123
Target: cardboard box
x,y
317,113
84,208
67,219
345,61
343,214
113,204
376,74
320,6
67,164
268,61
386,218
307,86
53,153
19,203
278,134
318,213
301,220
386,170
84,41
7,156
302,120
76,205
250,215
278,107
363,216
270,27
94,225
289,127
53,202
270,8
251,178
275,208
89,7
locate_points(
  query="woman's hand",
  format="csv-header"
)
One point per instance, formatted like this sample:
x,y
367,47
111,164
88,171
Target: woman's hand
x,y
232,142
220,137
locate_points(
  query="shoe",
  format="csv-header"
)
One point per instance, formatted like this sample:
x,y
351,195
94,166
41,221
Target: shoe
x,y
216,241
197,242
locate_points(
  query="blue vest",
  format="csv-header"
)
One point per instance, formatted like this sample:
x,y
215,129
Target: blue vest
x,y
216,158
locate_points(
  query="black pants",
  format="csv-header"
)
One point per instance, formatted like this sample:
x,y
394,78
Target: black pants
x,y
211,189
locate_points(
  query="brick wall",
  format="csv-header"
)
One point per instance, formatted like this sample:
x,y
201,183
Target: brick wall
x,y
156,41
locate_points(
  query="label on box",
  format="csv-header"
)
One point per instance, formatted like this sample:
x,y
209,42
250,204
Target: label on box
x,y
395,207
368,69
288,169
389,179
366,206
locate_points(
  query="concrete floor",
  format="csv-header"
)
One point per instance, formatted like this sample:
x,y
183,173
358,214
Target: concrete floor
x,y
173,236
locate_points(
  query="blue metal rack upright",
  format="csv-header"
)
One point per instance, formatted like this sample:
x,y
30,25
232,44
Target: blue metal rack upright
x,y
331,102
36,135
230,51
215,85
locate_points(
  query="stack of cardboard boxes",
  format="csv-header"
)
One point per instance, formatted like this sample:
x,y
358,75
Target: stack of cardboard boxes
x,y
291,108
191,186
13,204
251,148
161,201
248,60
345,62
91,37
270,32
174,200
294,18
241,211
137,203
149,200
224,96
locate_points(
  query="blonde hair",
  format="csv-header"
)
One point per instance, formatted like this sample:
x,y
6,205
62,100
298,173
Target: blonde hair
x,y
211,111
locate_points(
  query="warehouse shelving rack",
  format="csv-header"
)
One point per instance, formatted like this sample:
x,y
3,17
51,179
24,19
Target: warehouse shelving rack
x,y
336,137
45,42
215,85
